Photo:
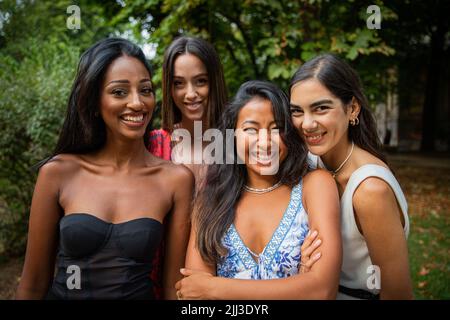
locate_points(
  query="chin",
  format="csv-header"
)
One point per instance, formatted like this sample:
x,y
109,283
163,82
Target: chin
x,y
317,150
195,117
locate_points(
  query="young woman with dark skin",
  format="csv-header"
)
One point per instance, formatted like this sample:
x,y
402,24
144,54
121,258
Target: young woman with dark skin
x,y
251,219
100,199
330,111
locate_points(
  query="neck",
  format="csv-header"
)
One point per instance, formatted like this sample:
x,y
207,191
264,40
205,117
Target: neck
x,y
336,156
196,129
123,153
258,181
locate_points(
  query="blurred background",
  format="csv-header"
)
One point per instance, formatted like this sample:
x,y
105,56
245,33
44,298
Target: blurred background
x,y
400,49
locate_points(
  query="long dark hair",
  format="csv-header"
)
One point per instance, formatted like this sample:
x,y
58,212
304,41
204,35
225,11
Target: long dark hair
x,y
217,96
343,82
84,130
221,191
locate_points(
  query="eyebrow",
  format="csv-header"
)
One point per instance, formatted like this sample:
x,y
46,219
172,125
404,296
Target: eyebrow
x,y
255,122
126,81
196,76
320,102
314,104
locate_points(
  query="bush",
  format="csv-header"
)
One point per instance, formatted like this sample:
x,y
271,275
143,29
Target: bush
x,y
33,98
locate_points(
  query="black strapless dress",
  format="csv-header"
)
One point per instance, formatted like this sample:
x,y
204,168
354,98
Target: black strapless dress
x,y
101,260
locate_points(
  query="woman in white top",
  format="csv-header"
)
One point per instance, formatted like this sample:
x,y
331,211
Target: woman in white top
x,y
330,111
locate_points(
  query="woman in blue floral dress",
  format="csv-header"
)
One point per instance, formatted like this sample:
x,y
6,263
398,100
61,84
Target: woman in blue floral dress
x,y
255,210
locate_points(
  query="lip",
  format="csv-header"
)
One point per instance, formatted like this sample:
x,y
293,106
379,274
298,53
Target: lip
x,y
193,106
134,123
314,139
265,160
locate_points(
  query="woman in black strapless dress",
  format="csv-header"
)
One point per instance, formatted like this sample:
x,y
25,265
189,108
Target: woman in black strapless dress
x,y
101,199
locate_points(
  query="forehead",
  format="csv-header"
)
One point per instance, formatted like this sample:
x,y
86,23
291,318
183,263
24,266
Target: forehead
x,y
188,64
125,67
257,109
309,91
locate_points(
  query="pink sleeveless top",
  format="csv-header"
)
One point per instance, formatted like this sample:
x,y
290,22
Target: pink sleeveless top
x,y
159,145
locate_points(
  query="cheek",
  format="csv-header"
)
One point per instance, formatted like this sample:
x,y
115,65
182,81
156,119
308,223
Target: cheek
x,y
297,122
283,151
107,107
177,96
150,102
245,145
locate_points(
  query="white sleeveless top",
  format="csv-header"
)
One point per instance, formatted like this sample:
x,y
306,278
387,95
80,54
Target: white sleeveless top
x,y
356,264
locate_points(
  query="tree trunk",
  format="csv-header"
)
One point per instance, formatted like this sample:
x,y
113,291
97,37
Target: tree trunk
x,y
432,89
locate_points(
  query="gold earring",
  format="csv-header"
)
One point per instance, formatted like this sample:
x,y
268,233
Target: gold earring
x,y
354,122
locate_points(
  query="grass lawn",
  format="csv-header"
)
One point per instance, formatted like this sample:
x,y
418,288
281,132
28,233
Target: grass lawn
x,y
427,191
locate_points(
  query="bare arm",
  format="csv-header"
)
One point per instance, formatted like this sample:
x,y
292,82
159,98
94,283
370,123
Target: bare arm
x,y
177,232
320,283
379,216
42,241
194,260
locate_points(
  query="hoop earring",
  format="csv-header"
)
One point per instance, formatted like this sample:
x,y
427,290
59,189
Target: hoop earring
x,y
354,122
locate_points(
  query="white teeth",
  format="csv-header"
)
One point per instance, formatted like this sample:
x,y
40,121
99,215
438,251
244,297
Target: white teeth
x,y
261,157
134,118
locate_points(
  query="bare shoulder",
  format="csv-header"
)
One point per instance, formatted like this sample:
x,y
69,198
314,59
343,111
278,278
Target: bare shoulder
x,y
374,196
60,165
319,189
318,178
178,173
372,189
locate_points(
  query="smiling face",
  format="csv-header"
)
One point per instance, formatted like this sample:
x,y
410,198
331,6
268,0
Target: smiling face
x,y
258,140
190,87
320,117
127,100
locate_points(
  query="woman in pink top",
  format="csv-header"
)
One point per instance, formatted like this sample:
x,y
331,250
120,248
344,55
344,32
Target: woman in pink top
x,y
193,90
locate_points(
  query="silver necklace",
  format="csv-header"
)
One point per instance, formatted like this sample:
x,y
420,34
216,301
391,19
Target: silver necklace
x,y
342,164
264,190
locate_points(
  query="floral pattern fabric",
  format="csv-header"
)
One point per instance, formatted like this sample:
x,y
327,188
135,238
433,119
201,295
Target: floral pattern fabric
x,y
281,256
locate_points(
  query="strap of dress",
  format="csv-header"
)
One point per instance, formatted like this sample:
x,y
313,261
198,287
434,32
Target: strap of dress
x,y
373,170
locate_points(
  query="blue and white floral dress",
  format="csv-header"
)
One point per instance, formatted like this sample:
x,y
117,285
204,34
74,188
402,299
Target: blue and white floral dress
x,y
281,256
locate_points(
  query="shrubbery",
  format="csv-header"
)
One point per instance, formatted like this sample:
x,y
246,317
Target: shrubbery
x,y
33,100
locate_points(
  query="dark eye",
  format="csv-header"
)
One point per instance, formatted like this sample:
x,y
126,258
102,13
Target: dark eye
x,y
250,130
322,108
177,83
119,92
147,90
296,111
202,81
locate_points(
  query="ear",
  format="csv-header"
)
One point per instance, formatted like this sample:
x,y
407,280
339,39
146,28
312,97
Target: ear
x,y
355,108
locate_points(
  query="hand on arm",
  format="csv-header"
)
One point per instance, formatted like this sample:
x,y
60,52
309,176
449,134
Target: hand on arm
x,y
309,251
320,283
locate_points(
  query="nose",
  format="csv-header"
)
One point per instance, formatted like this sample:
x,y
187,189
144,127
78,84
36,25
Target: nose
x,y
135,102
309,123
264,140
191,93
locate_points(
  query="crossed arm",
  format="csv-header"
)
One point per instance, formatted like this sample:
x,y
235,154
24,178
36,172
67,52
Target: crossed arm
x,y
321,201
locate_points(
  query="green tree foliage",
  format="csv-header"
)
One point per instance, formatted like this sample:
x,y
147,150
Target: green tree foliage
x,y
262,39
38,58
